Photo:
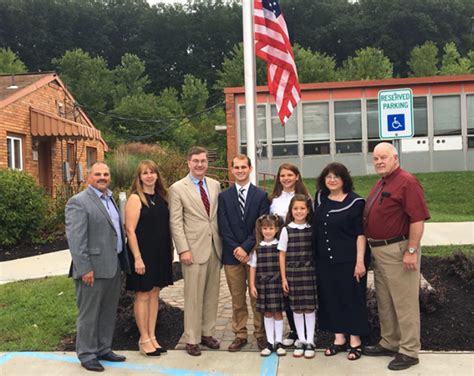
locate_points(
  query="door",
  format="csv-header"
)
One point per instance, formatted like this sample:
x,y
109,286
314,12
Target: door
x,y
44,166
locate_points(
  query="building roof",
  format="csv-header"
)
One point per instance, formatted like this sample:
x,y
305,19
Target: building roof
x,y
14,87
367,83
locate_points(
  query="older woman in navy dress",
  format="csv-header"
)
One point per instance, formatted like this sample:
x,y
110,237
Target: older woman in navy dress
x,y
340,252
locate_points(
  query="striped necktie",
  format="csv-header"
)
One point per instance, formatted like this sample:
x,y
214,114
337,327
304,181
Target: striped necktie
x,y
204,198
242,201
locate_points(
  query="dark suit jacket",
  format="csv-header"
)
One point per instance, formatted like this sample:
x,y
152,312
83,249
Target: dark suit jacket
x,y
235,231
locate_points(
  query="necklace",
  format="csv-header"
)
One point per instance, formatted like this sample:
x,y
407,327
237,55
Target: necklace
x,y
152,198
338,197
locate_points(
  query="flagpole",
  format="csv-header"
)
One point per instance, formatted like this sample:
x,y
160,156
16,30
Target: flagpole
x,y
250,83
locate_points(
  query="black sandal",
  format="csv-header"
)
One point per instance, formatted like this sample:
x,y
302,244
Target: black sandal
x,y
333,349
355,351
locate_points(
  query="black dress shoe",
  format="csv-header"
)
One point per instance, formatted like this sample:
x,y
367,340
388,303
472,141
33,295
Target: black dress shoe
x,y
377,350
112,357
92,365
401,362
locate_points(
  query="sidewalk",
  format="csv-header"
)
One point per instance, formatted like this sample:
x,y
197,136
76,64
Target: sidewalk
x,y
177,363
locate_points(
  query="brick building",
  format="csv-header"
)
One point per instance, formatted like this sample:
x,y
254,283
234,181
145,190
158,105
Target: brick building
x,y
338,121
44,132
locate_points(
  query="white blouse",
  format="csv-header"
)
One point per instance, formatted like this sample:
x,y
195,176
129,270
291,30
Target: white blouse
x,y
281,203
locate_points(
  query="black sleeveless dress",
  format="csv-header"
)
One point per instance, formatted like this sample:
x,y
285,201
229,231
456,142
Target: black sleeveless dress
x,y
154,241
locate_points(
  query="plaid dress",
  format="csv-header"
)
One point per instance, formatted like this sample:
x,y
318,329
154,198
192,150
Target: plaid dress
x,y
300,271
268,281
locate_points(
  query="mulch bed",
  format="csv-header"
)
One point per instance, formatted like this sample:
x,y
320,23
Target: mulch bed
x,y
28,250
446,316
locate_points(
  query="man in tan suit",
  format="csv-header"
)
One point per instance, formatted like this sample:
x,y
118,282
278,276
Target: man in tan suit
x,y
193,217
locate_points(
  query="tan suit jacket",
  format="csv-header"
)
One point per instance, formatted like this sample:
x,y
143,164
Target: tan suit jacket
x,y
192,229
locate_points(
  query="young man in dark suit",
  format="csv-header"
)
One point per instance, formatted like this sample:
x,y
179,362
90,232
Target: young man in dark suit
x,y
239,207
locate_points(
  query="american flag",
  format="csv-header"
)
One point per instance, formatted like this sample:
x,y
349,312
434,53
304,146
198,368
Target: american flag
x,y
272,44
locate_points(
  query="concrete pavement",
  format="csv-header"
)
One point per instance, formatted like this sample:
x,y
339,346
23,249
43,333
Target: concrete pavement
x,y
177,363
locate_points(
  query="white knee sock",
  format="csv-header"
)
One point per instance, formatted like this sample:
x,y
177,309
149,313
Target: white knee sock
x,y
279,331
299,323
269,323
310,319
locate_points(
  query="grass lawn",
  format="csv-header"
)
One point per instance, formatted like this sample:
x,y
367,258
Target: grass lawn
x,y
450,195
36,314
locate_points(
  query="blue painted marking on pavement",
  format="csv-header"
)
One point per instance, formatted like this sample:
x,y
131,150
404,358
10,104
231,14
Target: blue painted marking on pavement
x,y
123,365
269,365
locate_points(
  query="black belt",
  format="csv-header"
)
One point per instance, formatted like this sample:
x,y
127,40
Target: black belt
x,y
379,243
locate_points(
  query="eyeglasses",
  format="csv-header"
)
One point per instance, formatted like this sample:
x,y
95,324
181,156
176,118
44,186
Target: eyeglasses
x,y
332,177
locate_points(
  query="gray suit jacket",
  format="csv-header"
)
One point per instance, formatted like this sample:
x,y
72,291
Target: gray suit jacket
x,y
92,237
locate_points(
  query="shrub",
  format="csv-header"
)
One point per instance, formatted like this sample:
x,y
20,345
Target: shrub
x,y
23,208
124,161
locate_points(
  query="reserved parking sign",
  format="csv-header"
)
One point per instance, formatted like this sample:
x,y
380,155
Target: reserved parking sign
x,y
396,114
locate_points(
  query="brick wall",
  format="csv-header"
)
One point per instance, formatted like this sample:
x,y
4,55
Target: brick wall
x,y
15,120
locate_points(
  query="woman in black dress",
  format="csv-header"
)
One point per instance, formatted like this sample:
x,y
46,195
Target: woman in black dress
x,y
149,242
339,243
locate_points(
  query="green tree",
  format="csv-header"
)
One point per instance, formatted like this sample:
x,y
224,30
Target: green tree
x,y
368,64
10,62
130,78
231,73
424,60
194,94
314,66
87,77
452,62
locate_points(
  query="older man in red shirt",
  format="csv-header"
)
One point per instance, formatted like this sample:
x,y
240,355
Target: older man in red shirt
x,y
394,219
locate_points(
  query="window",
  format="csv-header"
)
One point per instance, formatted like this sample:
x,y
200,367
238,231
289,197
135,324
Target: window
x,y
420,117
348,124
470,121
261,134
70,157
372,124
91,156
284,138
316,128
15,152
447,115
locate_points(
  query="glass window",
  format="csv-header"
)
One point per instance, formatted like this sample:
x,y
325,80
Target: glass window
x,y
14,153
287,133
316,122
348,120
447,115
470,121
284,138
372,118
261,127
348,124
91,156
420,116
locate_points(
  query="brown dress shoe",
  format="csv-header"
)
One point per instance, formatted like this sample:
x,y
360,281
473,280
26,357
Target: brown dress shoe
x,y
193,350
261,343
237,344
210,342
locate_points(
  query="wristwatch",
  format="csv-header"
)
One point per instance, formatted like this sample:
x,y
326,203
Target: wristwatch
x,y
411,250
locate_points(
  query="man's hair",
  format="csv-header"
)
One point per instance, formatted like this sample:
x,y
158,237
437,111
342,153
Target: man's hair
x,y
96,164
196,150
242,157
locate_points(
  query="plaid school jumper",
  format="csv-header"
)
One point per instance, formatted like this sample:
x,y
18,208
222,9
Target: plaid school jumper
x,y
300,271
268,281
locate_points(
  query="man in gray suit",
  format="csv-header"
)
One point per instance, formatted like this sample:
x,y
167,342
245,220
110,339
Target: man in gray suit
x,y
96,241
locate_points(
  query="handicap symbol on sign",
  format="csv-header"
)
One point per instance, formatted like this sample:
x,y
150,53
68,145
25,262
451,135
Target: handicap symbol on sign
x,y
396,122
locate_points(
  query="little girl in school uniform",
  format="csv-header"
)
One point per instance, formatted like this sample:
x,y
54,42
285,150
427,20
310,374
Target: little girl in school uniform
x,y
298,272
265,282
